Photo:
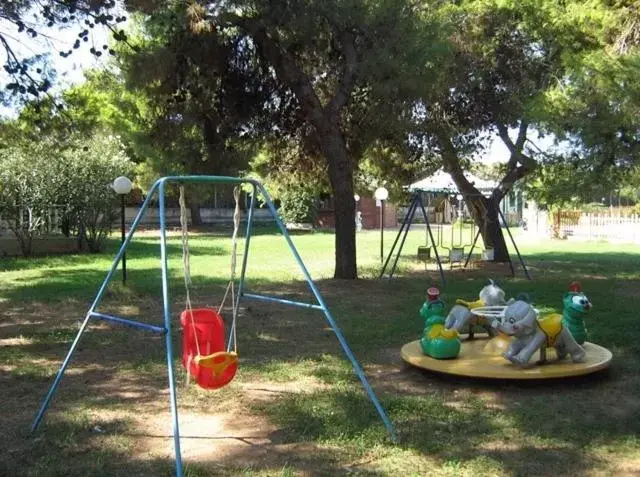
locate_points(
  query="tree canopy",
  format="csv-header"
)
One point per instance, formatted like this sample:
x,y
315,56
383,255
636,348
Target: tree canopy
x,y
345,94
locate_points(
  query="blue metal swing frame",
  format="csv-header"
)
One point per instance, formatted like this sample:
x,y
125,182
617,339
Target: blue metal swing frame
x,y
159,188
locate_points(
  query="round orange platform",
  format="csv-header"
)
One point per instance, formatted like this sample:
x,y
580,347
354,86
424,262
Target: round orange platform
x,y
482,358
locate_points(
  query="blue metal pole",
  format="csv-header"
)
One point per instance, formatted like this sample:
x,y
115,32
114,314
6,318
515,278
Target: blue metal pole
x,y
126,322
96,301
271,299
343,342
247,241
167,325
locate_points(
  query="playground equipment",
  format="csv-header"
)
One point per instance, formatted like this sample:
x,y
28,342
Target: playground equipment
x,y
461,317
531,334
437,341
435,242
216,331
456,246
521,332
575,307
218,366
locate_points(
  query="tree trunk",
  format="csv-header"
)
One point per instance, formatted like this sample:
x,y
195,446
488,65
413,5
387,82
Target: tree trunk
x,y
341,175
25,242
196,218
485,215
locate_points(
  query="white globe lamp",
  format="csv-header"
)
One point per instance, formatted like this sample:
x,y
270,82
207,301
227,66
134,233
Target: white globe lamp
x,y
122,185
381,194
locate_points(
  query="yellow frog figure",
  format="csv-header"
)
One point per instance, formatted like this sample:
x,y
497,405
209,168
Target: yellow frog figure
x,y
531,334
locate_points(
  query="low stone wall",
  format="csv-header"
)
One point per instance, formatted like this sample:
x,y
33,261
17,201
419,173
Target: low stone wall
x,y
151,217
41,246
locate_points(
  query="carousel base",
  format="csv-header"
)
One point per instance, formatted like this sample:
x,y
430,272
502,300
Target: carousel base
x,y
481,357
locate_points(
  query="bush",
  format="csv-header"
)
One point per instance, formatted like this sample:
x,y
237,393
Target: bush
x,y
298,205
92,202
75,178
26,192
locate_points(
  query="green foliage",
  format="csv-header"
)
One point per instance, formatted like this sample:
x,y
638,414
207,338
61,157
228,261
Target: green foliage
x,y
90,200
388,89
297,193
574,183
298,204
27,190
28,74
73,177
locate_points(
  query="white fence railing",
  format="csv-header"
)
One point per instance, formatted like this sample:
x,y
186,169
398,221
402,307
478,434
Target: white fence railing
x,y
620,229
49,222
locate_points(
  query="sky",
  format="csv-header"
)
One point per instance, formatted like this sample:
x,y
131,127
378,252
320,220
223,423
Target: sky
x,y
52,41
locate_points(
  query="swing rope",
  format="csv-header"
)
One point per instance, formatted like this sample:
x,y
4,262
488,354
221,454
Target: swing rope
x,y
231,284
186,262
234,251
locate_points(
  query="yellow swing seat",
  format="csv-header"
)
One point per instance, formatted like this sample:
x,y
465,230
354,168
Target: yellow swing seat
x,y
219,362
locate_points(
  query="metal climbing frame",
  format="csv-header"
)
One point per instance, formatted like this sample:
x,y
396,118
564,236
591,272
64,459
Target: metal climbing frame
x,y
159,187
416,202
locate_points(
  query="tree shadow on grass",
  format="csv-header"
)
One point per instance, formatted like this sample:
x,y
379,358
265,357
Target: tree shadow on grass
x,y
76,440
556,422
54,285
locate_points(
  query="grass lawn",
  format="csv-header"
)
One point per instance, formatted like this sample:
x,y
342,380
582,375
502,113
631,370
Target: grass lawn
x,y
295,407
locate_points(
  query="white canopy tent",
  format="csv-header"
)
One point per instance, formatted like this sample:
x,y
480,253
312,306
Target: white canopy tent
x,y
442,182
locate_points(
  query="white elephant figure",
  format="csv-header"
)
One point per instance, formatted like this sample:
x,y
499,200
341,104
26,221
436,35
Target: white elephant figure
x,y
531,334
460,317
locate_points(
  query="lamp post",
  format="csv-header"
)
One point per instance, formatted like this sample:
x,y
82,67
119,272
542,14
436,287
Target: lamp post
x,y
122,186
381,194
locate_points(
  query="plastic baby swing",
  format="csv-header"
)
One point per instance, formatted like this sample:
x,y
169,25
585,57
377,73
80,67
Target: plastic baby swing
x,y
204,354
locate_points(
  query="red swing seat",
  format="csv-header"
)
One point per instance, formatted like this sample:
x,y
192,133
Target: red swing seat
x,y
214,367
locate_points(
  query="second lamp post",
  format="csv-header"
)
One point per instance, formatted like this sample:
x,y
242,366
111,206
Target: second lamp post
x,y
122,186
381,194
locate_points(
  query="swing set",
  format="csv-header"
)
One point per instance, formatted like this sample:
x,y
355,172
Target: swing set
x,y
205,355
456,249
456,246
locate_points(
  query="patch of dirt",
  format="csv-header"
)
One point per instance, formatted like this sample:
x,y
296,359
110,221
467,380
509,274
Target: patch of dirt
x,y
217,427
627,289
